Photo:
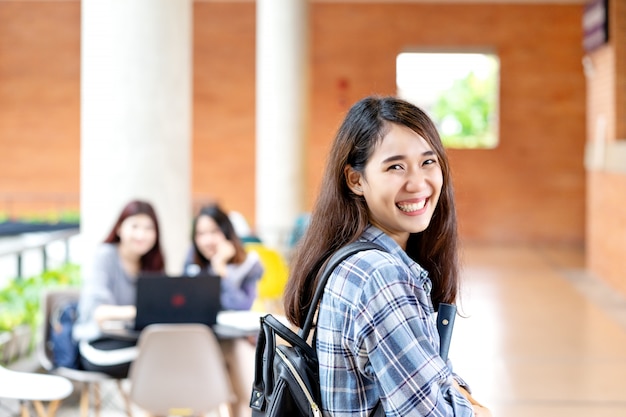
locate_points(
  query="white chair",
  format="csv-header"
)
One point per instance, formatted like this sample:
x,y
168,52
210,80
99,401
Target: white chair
x,y
34,388
90,382
179,370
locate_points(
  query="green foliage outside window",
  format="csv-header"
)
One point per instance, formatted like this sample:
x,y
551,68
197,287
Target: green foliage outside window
x,y
465,113
458,90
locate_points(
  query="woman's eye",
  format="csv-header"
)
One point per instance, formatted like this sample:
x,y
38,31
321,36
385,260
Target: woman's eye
x,y
395,167
430,161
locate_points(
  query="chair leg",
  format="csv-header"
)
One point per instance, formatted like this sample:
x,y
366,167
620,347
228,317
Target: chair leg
x,y
24,409
84,399
40,409
127,406
91,398
53,407
97,399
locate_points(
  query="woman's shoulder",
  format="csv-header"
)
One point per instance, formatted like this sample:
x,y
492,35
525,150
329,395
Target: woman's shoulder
x,y
379,268
252,256
359,266
372,261
363,275
252,263
106,251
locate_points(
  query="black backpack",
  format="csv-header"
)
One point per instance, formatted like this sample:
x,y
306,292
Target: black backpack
x,y
286,379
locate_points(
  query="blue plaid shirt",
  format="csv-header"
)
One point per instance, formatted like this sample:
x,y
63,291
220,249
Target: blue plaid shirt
x,y
377,339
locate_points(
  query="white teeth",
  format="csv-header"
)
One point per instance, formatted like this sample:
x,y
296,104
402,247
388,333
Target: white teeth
x,y
407,208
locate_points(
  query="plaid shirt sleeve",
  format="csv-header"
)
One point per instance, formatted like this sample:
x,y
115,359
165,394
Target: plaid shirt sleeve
x,y
377,340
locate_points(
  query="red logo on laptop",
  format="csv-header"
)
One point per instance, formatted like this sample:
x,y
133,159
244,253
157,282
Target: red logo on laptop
x,y
178,300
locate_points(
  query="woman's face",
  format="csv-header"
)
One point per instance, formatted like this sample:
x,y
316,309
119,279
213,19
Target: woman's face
x,y
401,184
207,236
137,234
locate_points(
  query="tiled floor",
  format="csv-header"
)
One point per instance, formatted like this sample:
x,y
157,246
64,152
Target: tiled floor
x,y
539,337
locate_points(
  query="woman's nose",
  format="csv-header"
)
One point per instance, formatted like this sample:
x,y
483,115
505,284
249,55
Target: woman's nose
x,y
416,181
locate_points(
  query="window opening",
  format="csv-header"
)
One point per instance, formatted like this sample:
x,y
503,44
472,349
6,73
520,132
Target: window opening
x,y
459,91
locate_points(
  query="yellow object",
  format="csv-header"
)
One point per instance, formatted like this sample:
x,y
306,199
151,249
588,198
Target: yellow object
x,y
275,275
181,412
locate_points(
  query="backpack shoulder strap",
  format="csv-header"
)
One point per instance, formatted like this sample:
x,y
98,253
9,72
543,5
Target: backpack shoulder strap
x,y
338,257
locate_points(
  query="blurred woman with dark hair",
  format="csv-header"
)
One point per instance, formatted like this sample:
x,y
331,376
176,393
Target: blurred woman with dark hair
x,y
217,249
132,247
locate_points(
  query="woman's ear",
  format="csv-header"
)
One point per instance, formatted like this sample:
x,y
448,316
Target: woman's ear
x,y
353,180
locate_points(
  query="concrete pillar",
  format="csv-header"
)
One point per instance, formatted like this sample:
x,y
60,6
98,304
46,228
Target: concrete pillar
x,y
136,110
281,108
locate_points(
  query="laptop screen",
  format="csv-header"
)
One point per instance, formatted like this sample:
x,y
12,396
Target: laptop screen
x,y
177,299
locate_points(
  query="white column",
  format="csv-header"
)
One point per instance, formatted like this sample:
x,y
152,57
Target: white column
x,y
281,108
136,109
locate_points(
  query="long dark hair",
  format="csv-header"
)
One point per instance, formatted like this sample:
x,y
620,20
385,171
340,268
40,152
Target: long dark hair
x,y
153,260
223,222
340,216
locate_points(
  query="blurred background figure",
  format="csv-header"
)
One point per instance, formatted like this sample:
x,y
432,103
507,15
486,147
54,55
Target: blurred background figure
x,y
109,292
217,249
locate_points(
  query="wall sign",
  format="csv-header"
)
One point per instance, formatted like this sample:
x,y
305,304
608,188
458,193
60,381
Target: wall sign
x,y
595,24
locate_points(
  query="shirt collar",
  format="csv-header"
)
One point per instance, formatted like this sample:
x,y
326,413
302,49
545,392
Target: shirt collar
x,y
374,234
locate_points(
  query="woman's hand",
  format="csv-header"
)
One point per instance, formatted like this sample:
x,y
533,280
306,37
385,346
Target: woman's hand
x,y
479,409
107,313
224,252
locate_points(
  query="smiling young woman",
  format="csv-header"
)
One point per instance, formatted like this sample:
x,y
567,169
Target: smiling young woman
x,y
387,181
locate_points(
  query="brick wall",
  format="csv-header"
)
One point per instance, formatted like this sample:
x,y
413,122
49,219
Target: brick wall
x,y
224,105
39,106
530,189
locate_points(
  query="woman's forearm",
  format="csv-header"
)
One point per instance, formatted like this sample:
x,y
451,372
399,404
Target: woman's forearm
x,y
107,312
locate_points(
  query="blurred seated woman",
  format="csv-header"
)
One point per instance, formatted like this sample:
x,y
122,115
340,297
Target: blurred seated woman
x,y
131,248
217,249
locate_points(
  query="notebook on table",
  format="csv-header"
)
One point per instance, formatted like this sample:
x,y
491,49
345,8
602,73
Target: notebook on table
x,y
179,299
184,299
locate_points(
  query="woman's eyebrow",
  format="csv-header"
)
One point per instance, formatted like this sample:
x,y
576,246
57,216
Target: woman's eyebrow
x,y
394,158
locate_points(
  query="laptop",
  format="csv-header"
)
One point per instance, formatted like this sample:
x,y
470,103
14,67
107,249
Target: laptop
x,y
177,299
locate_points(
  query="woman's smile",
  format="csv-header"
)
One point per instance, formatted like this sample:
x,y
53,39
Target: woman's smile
x,y
413,208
